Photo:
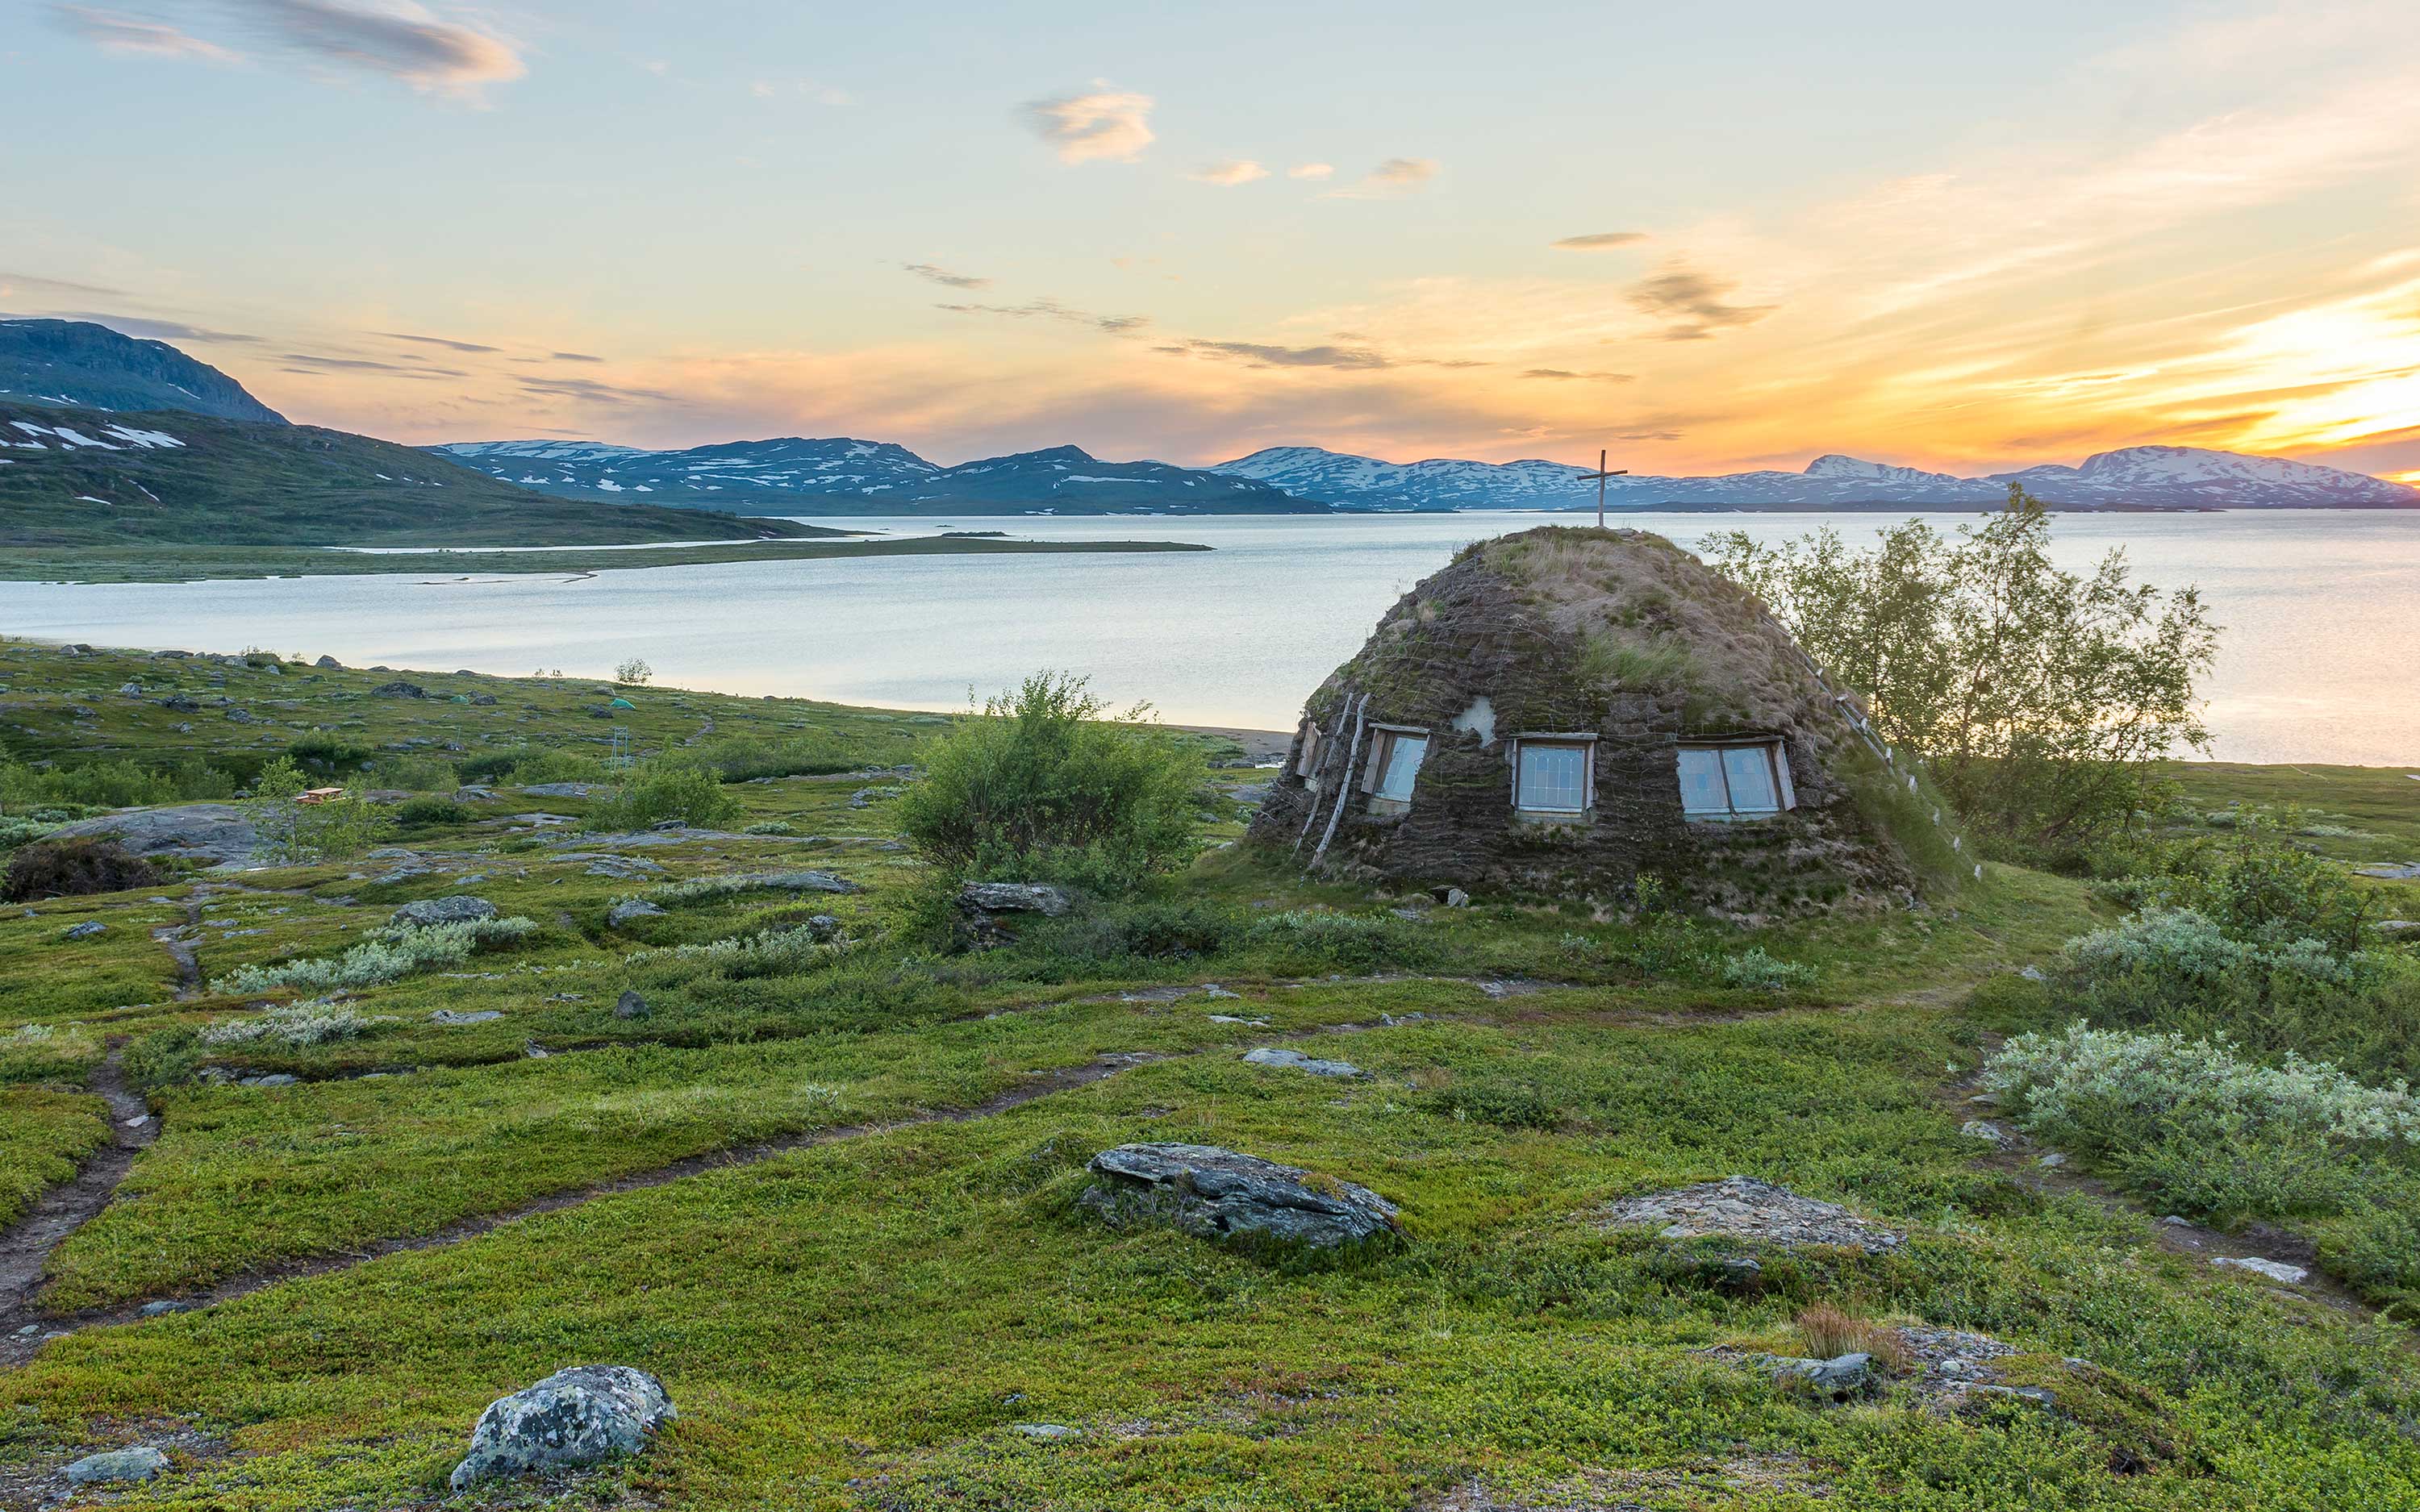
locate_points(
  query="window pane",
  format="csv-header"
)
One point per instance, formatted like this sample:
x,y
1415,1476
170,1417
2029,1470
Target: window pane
x,y
1701,782
1751,771
1404,753
1553,778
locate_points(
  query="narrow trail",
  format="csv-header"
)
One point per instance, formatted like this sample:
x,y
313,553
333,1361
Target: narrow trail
x,y
70,1205
180,940
25,1326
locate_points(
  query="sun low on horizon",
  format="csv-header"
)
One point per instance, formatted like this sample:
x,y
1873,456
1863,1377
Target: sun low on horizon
x,y
1412,231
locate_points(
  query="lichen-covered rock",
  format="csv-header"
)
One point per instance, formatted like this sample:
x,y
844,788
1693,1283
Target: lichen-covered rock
x,y
806,882
1016,898
215,833
1217,1194
460,909
1296,1060
574,1417
629,909
1742,1208
630,1006
111,1466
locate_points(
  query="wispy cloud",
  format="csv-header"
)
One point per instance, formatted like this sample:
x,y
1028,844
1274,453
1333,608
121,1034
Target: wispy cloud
x,y
26,283
1600,241
1105,126
307,362
447,343
1312,170
1694,304
131,37
406,43
932,273
1262,355
151,329
1229,174
574,357
1393,178
589,391
1116,325
1565,375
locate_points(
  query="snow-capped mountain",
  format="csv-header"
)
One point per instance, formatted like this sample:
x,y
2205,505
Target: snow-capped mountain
x,y
82,364
2142,477
794,476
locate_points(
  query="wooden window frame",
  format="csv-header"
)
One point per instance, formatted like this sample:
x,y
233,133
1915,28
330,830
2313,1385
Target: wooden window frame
x,y
1776,756
1382,751
1306,764
1587,744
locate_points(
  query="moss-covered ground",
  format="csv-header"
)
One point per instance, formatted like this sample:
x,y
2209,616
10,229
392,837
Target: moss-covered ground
x,y
861,1300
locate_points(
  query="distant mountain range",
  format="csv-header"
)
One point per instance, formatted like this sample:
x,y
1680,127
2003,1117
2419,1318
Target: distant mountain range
x,y
80,364
2137,477
795,475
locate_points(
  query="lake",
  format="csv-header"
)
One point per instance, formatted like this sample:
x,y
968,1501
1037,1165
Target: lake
x,y
2317,663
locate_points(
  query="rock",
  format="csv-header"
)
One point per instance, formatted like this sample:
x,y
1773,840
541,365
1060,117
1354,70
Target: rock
x,y
809,882
2177,1221
1455,898
142,1462
1016,898
1044,1431
628,909
2391,872
132,690
1838,1378
1740,1207
2034,974
1230,1018
630,1006
1217,1194
331,663
622,867
2399,929
85,931
573,1417
2052,1161
400,690
1988,1132
1213,991
1296,1060
162,1309
461,908
272,1079
2292,1276
216,833
449,1017
560,789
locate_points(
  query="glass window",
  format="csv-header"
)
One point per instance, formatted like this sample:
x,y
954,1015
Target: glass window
x,y
1749,769
1397,763
1722,781
1701,782
1552,777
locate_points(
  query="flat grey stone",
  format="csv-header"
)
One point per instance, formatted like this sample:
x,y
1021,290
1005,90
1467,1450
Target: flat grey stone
x,y
1296,1060
1016,898
142,1462
449,1017
1740,1207
1988,1132
219,833
460,909
574,1417
1217,1194
628,909
1044,1431
85,931
2292,1276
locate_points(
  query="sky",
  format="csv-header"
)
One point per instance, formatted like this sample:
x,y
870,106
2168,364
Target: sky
x,y
1704,238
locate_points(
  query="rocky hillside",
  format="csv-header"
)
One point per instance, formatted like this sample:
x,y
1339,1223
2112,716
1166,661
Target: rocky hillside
x,y
798,475
88,366
84,477
2138,477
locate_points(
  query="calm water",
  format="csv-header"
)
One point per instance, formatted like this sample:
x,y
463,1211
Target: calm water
x,y
2319,606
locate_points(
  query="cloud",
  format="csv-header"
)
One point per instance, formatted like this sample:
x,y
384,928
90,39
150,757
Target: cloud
x,y
1312,170
149,328
11,282
932,274
574,357
1229,174
406,43
1116,325
1694,302
131,37
592,391
364,365
1260,355
1600,241
1395,177
1107,125
1567,375
436,341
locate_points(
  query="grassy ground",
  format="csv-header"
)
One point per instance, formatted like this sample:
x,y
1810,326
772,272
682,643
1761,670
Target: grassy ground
x,y
863,1321
193,563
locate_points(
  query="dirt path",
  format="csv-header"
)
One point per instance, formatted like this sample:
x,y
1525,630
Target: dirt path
x,y
67,1206
179,941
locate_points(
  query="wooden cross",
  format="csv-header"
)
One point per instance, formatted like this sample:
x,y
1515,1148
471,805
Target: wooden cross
x,y
1600,475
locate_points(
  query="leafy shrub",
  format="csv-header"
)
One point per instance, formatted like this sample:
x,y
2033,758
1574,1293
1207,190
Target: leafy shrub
x,y
387,956
1036,785
293,831
773,952
662,789
431,811
326,753
73,869
530,768
417,774
1155,930
741,758
294,1024
16,832
1352,942
1756,969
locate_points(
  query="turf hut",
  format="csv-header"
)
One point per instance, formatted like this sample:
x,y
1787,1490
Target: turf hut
x,y
1566,711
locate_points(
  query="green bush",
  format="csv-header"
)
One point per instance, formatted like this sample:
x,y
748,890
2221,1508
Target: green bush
x,y
1150,931
293,831
665,790
73,869
421,811
1309,938
1037,786
387,956
417,774
740,758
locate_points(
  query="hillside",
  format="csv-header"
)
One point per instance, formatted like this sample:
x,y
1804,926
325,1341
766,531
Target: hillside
x,y
82,365
1657,1215
84,477
795,475
2139,477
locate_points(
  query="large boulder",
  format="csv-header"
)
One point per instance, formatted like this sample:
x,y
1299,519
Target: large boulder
x,y
1217,1194
981,905
115,1466
460,909
215,833
574,1417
